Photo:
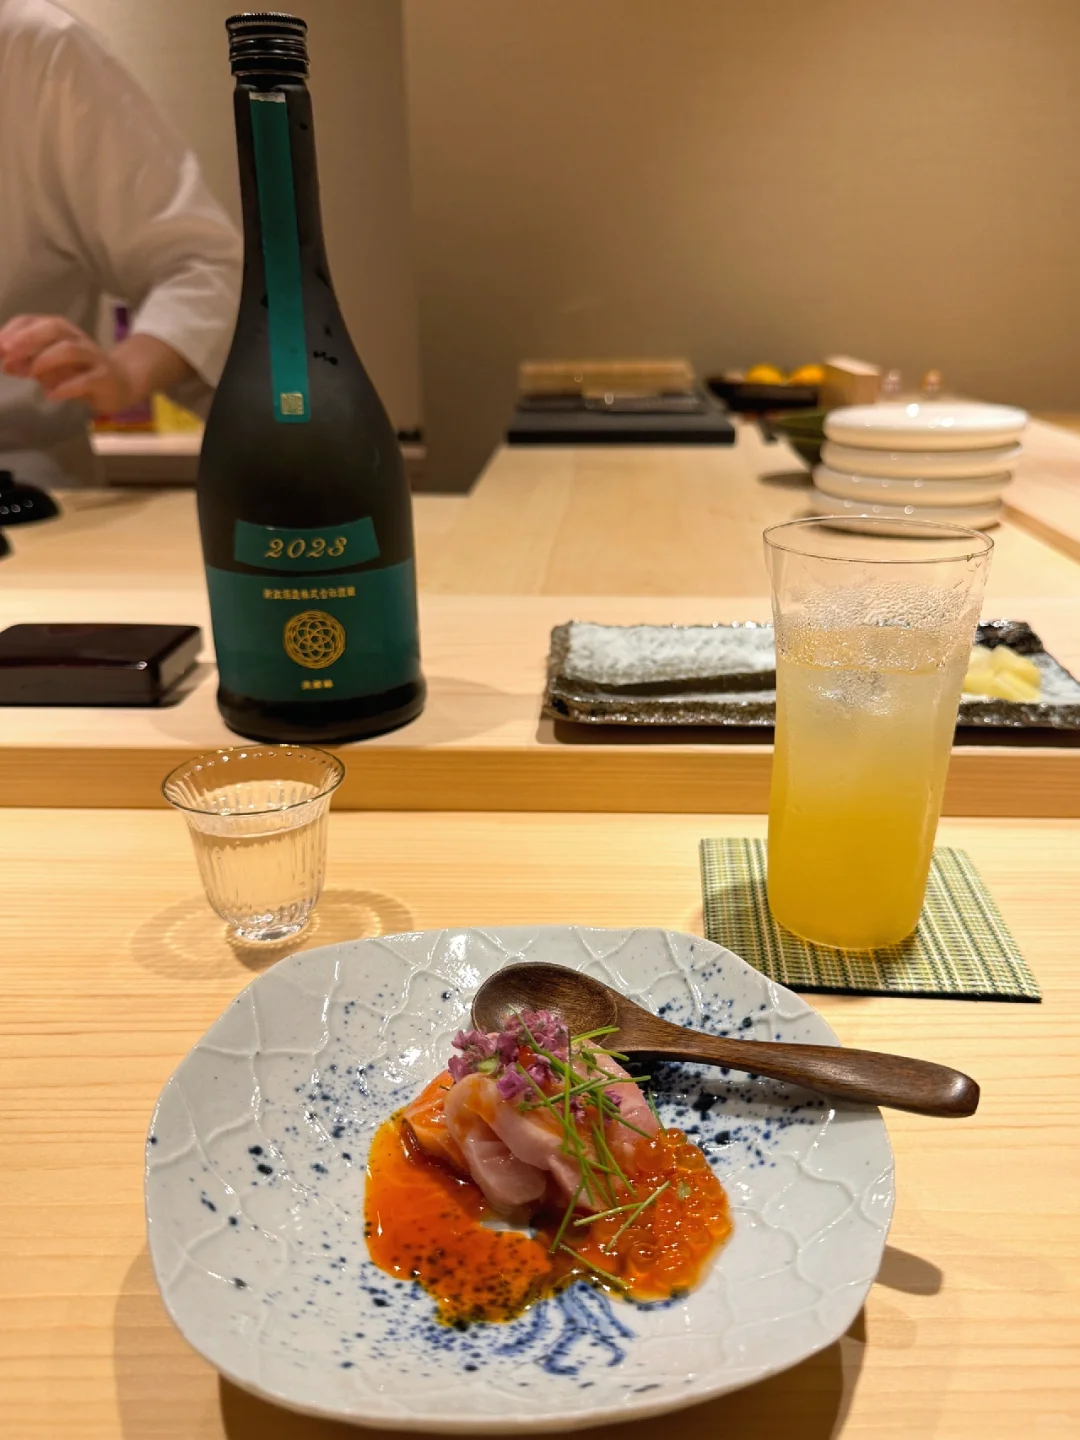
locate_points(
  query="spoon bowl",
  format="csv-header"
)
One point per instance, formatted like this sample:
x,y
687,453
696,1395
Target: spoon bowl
x,y
585,1003
580,1001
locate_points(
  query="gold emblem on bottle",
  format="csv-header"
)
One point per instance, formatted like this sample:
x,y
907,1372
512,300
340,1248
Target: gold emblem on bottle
x,y
314,639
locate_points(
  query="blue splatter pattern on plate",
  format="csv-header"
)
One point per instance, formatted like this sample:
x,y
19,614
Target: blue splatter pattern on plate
x,y
255,1173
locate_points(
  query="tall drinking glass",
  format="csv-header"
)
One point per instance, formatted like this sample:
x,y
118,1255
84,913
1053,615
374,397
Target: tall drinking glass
x,y
873,636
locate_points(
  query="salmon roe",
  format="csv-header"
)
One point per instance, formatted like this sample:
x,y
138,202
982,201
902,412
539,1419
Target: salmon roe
x,y
424,1222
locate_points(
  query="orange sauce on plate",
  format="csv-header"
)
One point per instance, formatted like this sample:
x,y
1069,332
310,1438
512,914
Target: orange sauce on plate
x,y
425,1223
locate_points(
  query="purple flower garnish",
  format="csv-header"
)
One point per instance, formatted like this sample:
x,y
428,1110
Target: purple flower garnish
x,y
507,1044
547,1030
513,1084
496,1053
459,1066
471,1041
478,1052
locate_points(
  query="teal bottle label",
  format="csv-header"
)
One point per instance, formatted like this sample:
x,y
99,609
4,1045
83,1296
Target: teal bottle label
x,y
296,550
281,256
303,637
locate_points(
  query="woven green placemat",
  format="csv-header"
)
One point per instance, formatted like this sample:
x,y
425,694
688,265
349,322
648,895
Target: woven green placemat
x,y
962,947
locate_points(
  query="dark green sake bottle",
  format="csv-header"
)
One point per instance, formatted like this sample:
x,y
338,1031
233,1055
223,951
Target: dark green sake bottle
x,y
304,508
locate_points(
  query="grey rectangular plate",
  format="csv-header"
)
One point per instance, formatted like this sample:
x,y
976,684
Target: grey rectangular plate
x,y
732,701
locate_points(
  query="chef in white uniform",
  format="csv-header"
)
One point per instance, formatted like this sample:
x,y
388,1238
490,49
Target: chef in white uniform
x,y
98,196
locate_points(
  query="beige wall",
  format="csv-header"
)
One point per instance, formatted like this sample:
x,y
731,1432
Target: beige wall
x,y
739,182
177,50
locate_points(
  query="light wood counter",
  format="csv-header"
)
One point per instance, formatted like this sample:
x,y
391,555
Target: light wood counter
x,y
123,540
481,740
113,966
662,520
649,519
1044,497
548,520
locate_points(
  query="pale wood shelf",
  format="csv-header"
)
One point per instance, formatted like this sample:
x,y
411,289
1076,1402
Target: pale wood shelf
x,y
650,534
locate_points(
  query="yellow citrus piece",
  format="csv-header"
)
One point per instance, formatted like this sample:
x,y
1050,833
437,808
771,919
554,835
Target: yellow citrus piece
x,y
764,375
1011,687
1006,661
980,682
807,375
1003,674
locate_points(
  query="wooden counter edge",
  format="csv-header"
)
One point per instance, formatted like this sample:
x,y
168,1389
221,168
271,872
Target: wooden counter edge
x,y
1038,526
1030,782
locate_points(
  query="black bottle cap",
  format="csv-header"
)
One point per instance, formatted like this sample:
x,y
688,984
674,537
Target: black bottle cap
x,y
267,43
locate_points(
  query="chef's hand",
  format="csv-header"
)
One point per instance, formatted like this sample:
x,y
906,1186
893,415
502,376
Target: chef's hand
x,y
69,365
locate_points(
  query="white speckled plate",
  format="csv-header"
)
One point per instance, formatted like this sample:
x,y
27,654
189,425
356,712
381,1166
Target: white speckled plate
x,y
255,1174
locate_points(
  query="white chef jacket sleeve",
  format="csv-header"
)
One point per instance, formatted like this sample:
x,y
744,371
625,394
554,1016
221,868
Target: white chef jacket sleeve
x,y
126,194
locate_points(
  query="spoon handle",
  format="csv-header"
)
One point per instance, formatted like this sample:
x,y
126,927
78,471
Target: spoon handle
x,y
865,1076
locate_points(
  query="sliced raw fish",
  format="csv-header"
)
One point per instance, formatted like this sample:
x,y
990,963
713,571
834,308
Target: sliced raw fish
x,y
507,1181
518,1152
633,1107
426,1118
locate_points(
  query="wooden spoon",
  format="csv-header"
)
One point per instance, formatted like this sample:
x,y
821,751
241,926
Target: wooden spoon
x,y
586,1004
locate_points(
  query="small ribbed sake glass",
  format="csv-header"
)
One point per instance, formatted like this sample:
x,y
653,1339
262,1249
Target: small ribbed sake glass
x,y
258,815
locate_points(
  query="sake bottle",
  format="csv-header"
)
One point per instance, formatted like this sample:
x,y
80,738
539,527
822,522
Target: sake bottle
x,y
304,508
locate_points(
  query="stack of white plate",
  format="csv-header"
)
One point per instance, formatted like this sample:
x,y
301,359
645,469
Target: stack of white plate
x,y
928,460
